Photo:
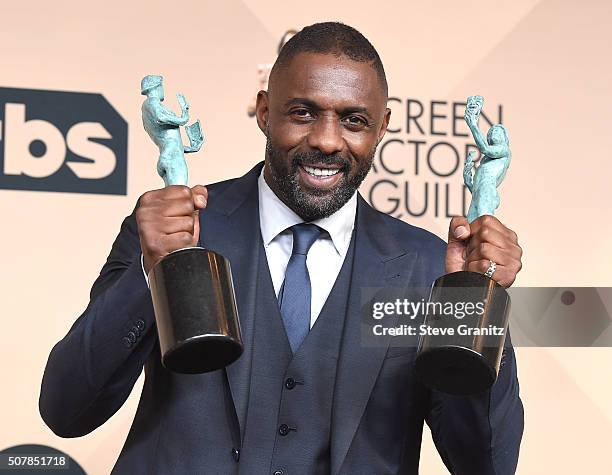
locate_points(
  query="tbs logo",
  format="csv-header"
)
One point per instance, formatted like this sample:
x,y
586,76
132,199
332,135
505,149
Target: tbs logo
x,y
61,141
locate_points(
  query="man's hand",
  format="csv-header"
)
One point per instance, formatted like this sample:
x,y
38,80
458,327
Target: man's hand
x,y
168,220
472,246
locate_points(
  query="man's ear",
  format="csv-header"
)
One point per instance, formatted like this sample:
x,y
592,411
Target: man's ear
x,y
262,110
384,125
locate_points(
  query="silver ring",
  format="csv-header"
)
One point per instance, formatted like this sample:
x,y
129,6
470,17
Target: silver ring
x,y
491,269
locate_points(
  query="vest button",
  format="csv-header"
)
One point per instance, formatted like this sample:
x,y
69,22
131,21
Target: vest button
x,y
283,429
290,383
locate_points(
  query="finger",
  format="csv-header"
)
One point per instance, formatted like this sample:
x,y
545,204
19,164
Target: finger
x,y
486,251
200,196
177,207
496,238
459,229
494,223
173,242
177,224
480,266
196,226
154,197
458,233
172,192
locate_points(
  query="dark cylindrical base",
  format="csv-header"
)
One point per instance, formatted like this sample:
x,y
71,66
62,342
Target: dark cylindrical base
x,y
461,353
195,310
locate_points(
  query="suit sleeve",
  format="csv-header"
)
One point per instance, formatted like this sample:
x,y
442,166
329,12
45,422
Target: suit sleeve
x,y
91,371
480,434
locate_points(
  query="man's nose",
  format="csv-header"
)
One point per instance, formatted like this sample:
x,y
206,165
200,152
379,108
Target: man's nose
x,y
326,135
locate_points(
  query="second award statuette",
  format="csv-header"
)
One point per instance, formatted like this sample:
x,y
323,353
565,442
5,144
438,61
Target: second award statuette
x,y
192,289
468,361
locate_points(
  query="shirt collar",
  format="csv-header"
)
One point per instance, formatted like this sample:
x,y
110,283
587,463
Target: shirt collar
x,y
275,217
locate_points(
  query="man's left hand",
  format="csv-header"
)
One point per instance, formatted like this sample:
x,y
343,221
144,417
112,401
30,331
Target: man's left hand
x,y
471,247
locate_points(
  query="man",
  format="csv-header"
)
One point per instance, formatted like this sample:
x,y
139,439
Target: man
x,y
306,397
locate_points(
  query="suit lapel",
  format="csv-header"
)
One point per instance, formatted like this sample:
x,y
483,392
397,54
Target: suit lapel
x,y
378,258
230,226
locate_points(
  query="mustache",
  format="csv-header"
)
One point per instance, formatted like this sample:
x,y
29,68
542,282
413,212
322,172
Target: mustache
x,y
317,157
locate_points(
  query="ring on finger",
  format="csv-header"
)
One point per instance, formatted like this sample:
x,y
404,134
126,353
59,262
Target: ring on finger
x,y
491,270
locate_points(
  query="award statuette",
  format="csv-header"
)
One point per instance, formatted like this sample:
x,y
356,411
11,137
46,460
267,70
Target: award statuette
x,y
466,360
192,290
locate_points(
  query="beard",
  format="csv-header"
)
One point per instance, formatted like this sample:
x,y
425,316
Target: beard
x,y
312,203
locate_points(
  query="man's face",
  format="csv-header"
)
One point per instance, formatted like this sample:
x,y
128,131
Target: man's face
x,y
323,117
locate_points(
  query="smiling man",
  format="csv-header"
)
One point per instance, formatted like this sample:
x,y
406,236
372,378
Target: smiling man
x,y
306,397
322,126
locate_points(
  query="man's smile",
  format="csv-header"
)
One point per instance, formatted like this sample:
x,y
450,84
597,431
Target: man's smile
x,y
319,177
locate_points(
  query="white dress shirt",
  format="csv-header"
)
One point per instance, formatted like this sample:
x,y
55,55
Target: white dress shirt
x,y
326,255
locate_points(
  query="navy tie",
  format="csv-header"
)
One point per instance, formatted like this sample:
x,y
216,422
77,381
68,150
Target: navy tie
x,y
295,292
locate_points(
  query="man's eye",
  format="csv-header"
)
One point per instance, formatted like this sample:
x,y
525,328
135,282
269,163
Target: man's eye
x,y
301,113
355,121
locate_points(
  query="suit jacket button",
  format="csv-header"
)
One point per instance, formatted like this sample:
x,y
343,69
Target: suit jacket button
x,y
283,429
290,383
236,454
132,337
126,342
136,330
140,324
278,472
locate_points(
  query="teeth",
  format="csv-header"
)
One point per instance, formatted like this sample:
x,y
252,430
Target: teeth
x,y
320,171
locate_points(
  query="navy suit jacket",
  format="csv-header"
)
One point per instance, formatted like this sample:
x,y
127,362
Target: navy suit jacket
x,y
193,423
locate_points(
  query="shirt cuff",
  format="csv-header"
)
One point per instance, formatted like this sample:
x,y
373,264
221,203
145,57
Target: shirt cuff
x,y
143,270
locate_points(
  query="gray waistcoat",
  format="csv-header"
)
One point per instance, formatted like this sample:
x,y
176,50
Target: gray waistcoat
x,y
290,400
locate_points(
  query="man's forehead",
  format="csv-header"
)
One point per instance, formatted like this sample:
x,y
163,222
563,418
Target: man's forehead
x,y
321,77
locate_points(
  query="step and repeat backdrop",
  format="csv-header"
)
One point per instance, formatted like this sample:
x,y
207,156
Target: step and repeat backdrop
x,y
74,159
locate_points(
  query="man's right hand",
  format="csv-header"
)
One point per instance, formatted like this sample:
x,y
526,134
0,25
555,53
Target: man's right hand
x,y
168,220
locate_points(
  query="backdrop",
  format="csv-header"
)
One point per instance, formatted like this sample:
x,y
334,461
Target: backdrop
x,y
73,165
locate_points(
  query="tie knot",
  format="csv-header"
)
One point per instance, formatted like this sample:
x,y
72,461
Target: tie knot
x,y
304,236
